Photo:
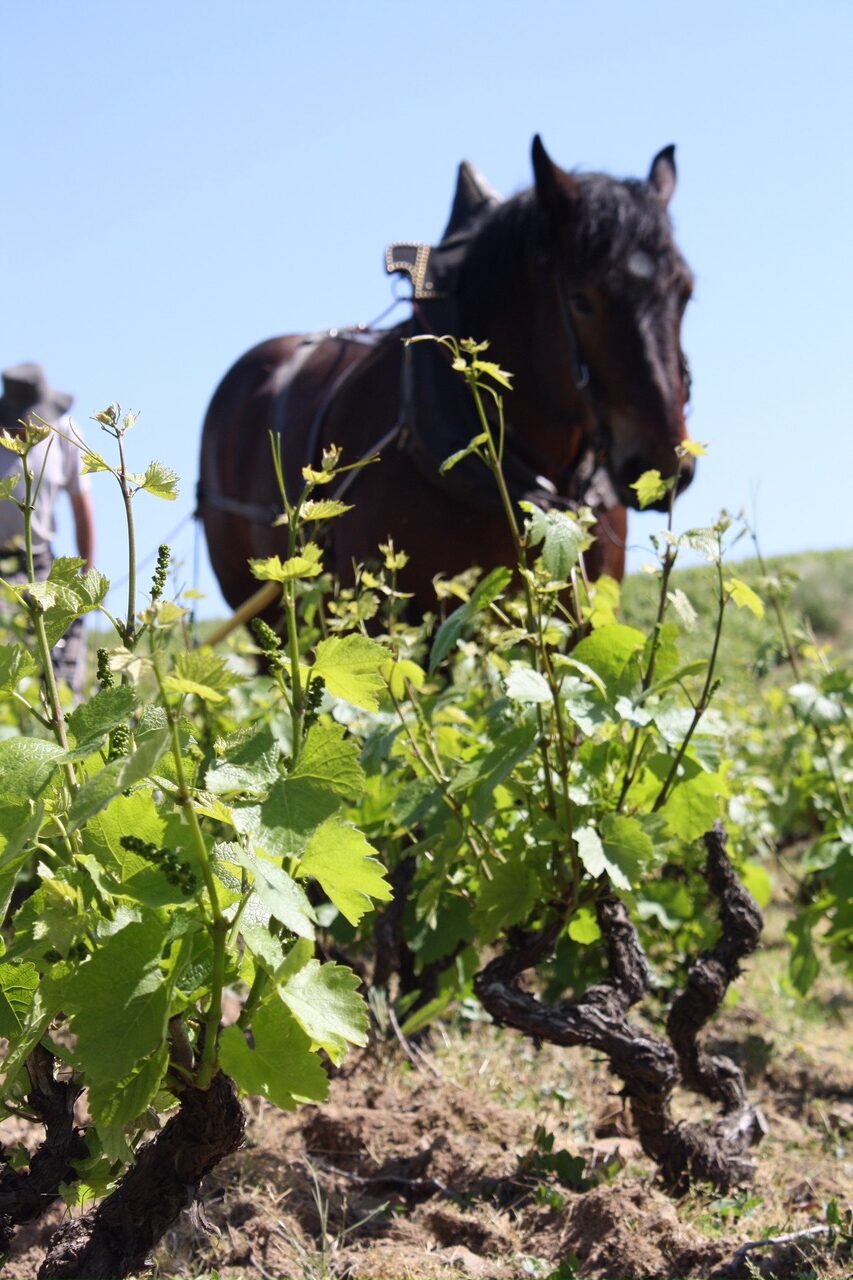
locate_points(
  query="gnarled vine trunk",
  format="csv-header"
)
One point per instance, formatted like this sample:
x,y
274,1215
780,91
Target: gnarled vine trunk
x,y
26,1193
114,1240
650,1066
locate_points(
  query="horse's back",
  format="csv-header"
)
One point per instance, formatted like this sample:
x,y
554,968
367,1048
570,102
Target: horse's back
x,y
234,449
247,385
283,385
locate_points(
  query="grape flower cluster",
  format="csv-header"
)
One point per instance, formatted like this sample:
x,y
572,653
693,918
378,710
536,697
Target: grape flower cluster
x,y
120,735
268,642
178,873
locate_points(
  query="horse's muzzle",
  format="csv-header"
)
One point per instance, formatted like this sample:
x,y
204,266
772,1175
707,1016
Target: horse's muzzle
x,y
630,472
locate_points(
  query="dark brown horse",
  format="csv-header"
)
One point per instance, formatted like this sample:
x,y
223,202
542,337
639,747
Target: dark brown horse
x,y
579,288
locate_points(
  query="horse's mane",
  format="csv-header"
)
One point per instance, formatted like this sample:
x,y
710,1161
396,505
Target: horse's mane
x,y
613,219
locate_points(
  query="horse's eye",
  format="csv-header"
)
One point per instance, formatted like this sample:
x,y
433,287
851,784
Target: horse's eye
x,y
582,303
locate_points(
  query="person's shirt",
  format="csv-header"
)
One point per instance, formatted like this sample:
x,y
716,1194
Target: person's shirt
x,y
58,461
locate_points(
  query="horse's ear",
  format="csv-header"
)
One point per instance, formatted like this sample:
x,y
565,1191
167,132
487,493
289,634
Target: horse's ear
x,y
662,174
554,187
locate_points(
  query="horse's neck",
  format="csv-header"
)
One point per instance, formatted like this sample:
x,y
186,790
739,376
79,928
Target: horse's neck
x,y
552,439
507,297
545,409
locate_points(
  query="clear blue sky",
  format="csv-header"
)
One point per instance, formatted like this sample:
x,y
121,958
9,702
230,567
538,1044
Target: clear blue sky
x,y
183,180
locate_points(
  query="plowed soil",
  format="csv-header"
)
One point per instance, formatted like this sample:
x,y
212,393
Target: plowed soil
x,y
426,1163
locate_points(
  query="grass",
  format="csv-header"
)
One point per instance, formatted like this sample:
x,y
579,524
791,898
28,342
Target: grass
x,y
821,591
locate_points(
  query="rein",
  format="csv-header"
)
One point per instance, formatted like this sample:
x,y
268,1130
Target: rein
x,y
580,368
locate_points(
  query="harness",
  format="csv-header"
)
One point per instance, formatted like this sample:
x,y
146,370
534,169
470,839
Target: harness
x,y
285,379
435,430
436,416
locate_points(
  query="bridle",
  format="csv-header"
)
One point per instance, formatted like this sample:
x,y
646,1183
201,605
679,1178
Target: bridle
x,y
581,374
579,366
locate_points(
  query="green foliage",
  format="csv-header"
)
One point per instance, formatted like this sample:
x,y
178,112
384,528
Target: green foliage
x,y
554,755
350,666
192,828
164,847
551,1173
280,1065
785,702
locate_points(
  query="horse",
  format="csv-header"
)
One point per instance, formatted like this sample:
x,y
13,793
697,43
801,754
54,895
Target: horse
x,y
580,290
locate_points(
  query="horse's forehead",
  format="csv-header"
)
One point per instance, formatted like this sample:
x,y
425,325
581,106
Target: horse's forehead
x,y
645,252
640,265
624,230
657,266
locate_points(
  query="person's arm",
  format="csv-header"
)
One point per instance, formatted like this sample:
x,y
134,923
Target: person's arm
x,y
84,526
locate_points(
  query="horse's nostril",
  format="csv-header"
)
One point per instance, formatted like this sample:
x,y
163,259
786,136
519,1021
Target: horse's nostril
x,y
630,471
636,466
685,472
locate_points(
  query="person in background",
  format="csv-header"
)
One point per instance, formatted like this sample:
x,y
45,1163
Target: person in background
x,y
28,398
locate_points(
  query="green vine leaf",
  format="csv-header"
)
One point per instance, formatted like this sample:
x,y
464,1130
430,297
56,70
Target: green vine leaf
x,y
484,594
324,1000
340,858
293,809
280,894
593,855
26,767
324,509
651,487
308,564
351,667
610,653
682,606
264,946
744,596
203,673
506,898
524,684
627,846
279,1065
160,481
804,966
330,761
814,705
18,984
401,672
472,447
117,777
694,803
16,664
563,538
114,1107
250,764
583,927
120,986
585,704
93,720
47,999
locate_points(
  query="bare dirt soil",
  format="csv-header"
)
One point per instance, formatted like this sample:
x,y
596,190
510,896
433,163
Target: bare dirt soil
x,y
431,1171
427,1166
